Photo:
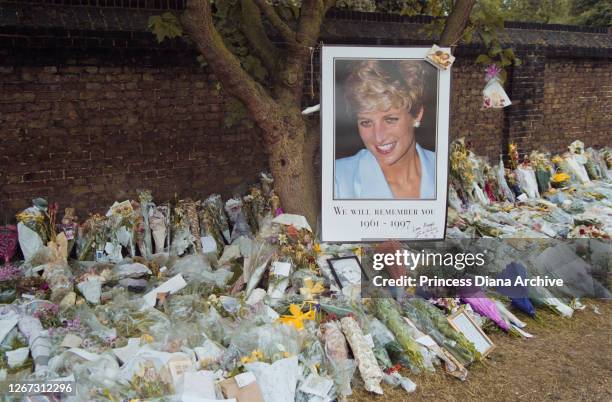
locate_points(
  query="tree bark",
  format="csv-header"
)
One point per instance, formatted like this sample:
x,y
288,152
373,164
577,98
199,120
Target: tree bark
x,y
294,174
289,148
456,22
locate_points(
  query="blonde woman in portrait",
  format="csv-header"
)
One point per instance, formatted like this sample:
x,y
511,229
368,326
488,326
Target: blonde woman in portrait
x,y
385,97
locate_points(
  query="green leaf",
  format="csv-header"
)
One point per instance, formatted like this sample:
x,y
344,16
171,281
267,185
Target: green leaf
x,y
165,26
484,59
517,62
503,74
468,36
487,37
509,53
495,49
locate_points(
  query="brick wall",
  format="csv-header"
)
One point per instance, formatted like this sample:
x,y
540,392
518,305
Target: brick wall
x,y
86,136
577,103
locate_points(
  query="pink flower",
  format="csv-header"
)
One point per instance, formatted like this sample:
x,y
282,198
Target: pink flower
x,y
491,71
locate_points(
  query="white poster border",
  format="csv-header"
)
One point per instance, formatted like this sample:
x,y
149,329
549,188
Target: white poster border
x,y
358,220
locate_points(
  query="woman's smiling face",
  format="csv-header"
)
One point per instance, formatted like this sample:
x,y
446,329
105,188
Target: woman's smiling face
x,y
388,135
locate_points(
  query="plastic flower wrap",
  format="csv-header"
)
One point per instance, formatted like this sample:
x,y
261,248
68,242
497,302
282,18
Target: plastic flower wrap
x,y
485,307
370,372
503,184
158,222
543,296
494,95
527,180
596,158
146,204
216,213
543,170
336,351
462,164
390,316
433,322
183,240
91,236
240,227
255,206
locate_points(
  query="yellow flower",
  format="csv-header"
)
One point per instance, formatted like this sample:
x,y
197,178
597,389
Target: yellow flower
x,y
146,338
317,248
560,177
557,159
297,317
311,289
286,354
256,355
358,251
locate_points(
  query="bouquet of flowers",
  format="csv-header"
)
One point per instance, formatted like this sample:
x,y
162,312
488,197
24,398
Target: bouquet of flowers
x,y
297,245
182,238
146,204
216,209
527,179
370,372
543,170
91,237
433,322
70,226
493,93
462,164
387,312
240,227
158,222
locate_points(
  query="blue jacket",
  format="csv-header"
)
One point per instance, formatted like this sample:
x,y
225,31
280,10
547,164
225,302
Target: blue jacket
x,y
360,176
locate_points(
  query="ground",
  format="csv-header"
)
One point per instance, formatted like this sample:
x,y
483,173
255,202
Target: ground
x,y
568,360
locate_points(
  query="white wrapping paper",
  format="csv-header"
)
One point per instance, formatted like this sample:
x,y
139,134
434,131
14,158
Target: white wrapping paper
x,y
278,380
370,372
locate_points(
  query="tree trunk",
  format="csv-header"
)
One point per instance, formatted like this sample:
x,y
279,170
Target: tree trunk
x,y
291,163
456,22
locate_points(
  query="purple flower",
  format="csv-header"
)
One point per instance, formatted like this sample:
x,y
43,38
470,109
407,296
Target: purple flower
x,y
491,71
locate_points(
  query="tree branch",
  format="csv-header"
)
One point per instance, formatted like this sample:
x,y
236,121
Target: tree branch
x,y
198,23
255,33
456,22
291,83
283,29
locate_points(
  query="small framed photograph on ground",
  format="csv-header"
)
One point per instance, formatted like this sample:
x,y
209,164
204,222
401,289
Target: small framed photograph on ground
x,y
346,270
462,322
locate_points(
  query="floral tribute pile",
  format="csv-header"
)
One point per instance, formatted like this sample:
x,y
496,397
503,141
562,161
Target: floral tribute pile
x,y
204,300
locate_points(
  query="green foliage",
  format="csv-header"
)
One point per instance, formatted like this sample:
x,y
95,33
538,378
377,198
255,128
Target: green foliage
x,y
487,21
165,26
591,12
572,12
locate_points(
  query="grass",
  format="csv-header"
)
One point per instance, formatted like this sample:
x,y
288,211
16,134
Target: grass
x,y
567,360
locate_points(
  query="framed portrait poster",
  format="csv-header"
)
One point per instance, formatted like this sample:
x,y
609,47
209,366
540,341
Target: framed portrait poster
x,y
384,114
